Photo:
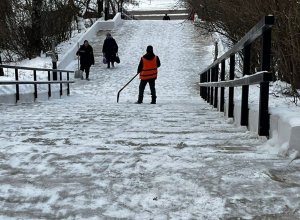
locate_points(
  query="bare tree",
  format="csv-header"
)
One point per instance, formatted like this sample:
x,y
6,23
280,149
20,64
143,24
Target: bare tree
x,y
234,18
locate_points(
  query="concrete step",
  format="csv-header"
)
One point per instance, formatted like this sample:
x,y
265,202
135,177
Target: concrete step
x,y
160,17
162,12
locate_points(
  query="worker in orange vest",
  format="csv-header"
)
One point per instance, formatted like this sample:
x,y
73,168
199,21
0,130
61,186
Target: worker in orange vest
x,y
148,74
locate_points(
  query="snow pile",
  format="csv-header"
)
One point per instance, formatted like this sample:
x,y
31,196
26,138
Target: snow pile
x,y
272,146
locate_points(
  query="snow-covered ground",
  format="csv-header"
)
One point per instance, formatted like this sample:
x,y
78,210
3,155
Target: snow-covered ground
x,y
87,157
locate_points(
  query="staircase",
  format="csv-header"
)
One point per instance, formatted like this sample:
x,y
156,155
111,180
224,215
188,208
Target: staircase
x,y
89,157
158,14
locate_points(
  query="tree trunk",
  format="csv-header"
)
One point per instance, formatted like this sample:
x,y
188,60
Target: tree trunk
x,y
100,8
36,43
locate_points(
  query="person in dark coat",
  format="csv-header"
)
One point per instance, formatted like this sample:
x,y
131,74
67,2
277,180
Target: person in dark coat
x,y
166,17
86,58
110,49
148,73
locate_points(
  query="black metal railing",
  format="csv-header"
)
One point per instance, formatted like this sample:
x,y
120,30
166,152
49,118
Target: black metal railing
x,y
125,15
209,77
35,82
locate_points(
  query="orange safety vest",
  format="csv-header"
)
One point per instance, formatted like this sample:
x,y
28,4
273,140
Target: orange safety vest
x,y
149,69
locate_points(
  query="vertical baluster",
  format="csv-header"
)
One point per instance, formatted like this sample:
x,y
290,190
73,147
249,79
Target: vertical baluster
x,y
17,86
208,87
212,88
222,100
231,89
216,76
264,118
61,89
245,88
35,85
49,85
68,84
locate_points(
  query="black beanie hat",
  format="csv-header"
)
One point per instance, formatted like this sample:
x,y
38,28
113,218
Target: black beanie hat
x,y
149,49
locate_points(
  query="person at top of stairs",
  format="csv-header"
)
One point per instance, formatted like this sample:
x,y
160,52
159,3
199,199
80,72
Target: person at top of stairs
x,y
166,17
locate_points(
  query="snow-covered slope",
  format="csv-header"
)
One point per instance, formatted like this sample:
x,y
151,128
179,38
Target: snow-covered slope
x,y
87,157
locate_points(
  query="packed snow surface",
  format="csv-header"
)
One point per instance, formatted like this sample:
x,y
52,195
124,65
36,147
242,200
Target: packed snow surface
x,y
88,157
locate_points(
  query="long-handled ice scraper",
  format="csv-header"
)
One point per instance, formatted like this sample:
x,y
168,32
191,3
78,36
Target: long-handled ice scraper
x,y
125,86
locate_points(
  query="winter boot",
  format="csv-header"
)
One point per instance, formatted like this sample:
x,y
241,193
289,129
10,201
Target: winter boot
x,y
153,101
140,100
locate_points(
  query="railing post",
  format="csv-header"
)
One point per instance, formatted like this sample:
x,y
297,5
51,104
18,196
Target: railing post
x,y
245,88
35,85
264,118
61,90
49,85
216,76
201,93
205,88
17,86
68,84
222,100
212,70
231,89
266,50
208,88
1,69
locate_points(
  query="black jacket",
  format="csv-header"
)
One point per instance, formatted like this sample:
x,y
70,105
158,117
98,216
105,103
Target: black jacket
x,y
110,46
148,56
86,56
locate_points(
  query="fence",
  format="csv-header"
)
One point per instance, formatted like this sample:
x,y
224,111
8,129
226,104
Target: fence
x,y
126,15
35,82
209,77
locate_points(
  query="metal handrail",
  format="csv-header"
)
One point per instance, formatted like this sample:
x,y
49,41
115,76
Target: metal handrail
x,y
251,80
263,25
35,82
126,14
209,77
31,68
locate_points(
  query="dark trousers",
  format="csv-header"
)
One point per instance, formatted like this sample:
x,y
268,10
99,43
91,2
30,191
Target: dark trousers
x,y
110,58
142,86
86,69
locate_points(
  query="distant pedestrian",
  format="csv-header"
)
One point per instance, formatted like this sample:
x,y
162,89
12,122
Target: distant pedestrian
x,y
166,17
110,50
196,18
86,58
192,17
148,74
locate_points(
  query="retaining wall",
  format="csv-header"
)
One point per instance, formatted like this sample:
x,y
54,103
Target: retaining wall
x,y
108,25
